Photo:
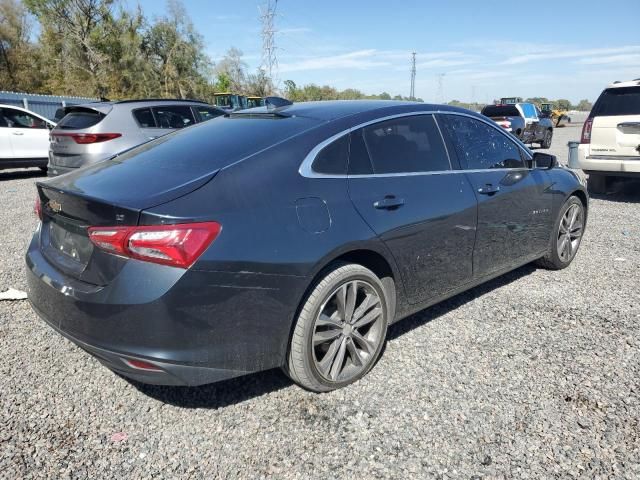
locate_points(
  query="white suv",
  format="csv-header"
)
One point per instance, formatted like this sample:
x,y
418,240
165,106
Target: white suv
x,y
24,138
610,143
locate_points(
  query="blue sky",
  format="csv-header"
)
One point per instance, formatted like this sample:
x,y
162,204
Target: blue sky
x,y
560,49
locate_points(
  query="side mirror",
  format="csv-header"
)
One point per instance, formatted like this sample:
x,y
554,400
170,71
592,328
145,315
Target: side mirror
x,y
544,161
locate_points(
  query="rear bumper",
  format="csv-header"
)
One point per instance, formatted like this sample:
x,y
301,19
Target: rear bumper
x,y
612,165
196,327
59,165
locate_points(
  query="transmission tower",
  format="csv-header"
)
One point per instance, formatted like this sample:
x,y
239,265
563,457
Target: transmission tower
x,y
412,92
440,95
269,60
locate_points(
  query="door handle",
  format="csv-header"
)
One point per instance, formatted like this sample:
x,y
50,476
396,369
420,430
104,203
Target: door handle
x,y
18,133
488,189
390,202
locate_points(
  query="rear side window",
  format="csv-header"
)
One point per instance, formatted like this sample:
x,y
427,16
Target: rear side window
x,y
173,116
406,145
77,120
480,146
207,113
618,101
332,159
500,111
144,117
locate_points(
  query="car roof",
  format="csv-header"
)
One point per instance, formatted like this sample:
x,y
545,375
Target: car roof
x,y
327,110
147,102
626,83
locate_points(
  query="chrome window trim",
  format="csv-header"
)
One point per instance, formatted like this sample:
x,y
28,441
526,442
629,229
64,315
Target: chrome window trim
x,y
306,170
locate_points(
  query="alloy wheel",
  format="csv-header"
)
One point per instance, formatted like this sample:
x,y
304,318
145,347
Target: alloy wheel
x,y
570,232
348,330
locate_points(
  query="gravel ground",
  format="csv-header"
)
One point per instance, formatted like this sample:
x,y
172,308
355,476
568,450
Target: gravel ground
x,y
533,375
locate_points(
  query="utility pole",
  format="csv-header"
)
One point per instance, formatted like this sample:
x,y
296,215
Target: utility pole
x,y
269,60
440,95
412,91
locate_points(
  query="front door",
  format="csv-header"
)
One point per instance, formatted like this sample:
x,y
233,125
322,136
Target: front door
x,y
401,182
28,134
514,201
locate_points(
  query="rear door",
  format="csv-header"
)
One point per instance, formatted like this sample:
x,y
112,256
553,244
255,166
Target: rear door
x,y
514,201
402,184
616,123
28,134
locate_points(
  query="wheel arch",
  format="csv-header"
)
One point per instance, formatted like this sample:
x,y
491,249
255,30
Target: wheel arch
x,y
370,255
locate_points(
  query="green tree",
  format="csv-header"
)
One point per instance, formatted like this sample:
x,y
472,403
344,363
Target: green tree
x,y
584,105
563,104
19,58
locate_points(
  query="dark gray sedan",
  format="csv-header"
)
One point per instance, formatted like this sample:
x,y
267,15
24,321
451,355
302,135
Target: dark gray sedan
x,y
290,237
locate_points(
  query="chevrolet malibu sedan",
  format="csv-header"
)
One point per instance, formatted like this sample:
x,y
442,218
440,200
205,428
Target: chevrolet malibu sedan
x,y
290,237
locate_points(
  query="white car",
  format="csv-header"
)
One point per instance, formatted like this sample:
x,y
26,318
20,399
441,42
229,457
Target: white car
x,y
610,143
24,138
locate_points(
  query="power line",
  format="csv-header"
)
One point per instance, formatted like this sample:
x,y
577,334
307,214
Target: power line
x,y
269,59
412,91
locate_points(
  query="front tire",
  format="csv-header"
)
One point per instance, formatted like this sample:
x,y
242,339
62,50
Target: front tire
x,y
340,330
546,140
568,231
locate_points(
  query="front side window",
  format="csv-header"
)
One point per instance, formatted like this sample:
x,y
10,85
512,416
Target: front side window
x,y
402,145
480,146
19,119
173,116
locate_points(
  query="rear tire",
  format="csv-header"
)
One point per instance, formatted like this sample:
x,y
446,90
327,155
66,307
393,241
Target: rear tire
x,y
567,236
597,183
340,329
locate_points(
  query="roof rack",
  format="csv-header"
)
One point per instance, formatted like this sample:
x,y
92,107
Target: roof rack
x,y
160,100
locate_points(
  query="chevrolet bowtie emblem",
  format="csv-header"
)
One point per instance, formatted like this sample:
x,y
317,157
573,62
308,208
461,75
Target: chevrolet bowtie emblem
x,y
55,206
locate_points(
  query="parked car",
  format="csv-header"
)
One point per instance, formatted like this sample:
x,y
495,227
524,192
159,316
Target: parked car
x,y
24,138
610,141
524,120
201,256
93,132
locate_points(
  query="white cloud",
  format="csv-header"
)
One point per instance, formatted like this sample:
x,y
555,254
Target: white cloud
x,y
559,52
360,59
617,60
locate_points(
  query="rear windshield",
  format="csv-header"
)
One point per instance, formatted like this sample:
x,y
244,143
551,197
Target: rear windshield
x,y
211,145
500,111
618,101
80,119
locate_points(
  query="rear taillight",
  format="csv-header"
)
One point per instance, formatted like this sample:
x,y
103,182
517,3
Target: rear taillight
x,y
37,208
586,131
86,138
176,245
